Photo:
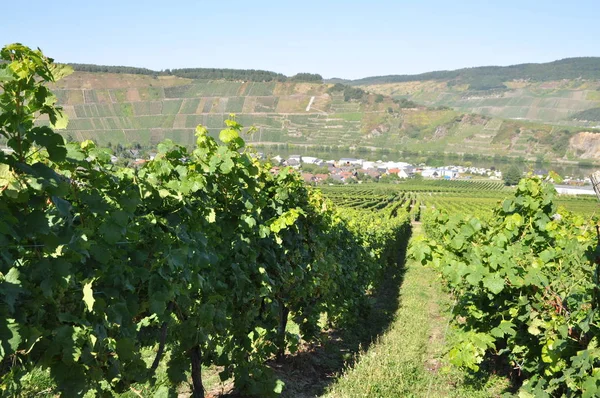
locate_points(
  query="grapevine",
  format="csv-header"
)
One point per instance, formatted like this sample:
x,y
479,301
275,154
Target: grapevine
x,y
201,254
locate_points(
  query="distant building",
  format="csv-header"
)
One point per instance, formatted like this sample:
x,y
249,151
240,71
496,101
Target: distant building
x,y
368,165
321,177
292,162
402,173
447,173
309,159
346,175
373,173
308,178
410,171
350,162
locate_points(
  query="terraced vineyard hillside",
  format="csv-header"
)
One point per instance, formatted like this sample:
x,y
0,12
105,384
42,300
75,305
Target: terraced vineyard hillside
x,y
141,109
554,102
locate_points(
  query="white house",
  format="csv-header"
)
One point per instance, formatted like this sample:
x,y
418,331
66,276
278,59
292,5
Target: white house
x,y
429,172
309,159
396,165
367,164
350,162
402,173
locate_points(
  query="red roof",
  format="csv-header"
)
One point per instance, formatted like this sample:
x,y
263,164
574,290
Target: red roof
x,y
307,177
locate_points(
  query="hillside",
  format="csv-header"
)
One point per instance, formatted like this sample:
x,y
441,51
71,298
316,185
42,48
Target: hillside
x,y
143,109
557,92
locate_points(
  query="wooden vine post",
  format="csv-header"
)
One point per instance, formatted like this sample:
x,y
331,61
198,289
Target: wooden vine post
x,y
595,177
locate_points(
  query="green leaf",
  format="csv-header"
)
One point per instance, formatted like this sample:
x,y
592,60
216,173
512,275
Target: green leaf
x,y
590,386
458,242
12,276
279,385
162,392
53,142
61,122
494,283
126,349
10,288
228,135
6,175
420,250
111,231
227,165
475,275
505,328
88,295
64,207
5,75
212,216
10,337
534,326
547,255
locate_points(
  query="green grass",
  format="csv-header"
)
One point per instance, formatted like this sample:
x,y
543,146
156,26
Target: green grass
x,y
408,360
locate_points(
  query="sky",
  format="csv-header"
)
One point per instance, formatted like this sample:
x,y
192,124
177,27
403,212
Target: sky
x,y
347,39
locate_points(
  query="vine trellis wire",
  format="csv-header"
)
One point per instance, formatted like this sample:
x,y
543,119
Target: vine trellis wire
x,y
595,177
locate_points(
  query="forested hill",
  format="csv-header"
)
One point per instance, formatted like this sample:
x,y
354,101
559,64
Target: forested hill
x,y
568,68
251,75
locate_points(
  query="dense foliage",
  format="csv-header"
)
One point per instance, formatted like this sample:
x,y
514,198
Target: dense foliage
x,y
200,255
405,103
350,93
114,69
227,74
252,75
526,284
306,77
568,68
512,175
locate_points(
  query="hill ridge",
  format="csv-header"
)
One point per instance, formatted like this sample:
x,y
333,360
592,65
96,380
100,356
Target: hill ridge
x,y
577,67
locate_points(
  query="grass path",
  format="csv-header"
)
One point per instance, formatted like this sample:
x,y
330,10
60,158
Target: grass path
x,y
407,360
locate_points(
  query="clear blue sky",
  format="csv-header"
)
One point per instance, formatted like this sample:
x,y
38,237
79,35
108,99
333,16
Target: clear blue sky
x,y
349,39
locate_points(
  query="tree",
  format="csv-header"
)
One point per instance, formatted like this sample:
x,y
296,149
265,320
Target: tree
x,y
512,175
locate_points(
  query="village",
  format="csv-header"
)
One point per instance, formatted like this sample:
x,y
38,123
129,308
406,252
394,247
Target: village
x,y
317,171
352,170
357,171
